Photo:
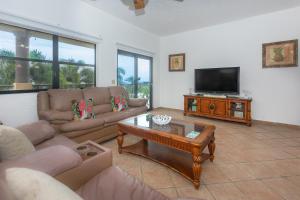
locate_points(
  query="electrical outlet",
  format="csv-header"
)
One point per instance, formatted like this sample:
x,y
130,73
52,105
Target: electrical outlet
x,y
113,82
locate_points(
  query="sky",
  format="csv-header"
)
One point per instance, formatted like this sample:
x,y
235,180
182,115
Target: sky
x,y
127,63
66,51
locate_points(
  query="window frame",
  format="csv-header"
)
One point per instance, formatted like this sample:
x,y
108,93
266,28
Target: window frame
x,y
136,56
55,61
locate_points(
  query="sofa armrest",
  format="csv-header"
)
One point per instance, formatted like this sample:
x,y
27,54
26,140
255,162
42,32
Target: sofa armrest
x,y
53,160
53,115
137,102
89,168
38,132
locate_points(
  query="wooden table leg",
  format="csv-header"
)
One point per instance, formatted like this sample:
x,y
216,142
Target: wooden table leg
x,y
211,148
120,141
197,169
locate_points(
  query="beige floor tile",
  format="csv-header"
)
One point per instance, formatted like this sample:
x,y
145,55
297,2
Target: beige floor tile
x,y
213,174
156,176
295,180
191,192
169,192
295,151
284,167
256,190
258,170
227,191
180,181
236,172
284,188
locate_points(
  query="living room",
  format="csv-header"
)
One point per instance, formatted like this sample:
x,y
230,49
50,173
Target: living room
x,y
249,162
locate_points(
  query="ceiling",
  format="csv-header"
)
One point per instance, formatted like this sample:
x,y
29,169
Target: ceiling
x,y
165,17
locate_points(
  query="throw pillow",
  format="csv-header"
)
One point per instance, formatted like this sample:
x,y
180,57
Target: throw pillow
x,y
119,103
83,109
28,184
13,143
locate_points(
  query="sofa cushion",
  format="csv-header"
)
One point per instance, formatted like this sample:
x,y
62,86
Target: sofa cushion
x,y
57,140
113,183
13,144
101,95
118,91
112,117
81,125
28,184
38,132
54,115
52,160
104,108
61,99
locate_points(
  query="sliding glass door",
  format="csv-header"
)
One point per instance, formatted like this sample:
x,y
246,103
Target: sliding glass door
x,y
135,75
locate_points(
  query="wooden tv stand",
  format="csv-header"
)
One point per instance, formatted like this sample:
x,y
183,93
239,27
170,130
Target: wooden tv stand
x,y
234,109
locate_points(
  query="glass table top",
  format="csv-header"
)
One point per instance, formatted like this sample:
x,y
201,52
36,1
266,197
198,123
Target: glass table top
x,y
178,127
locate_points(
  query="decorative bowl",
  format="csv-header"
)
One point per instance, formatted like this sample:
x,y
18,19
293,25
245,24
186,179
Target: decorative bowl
x,y
161,119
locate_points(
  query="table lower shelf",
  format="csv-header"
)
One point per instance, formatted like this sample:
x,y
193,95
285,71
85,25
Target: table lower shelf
x,y
176,160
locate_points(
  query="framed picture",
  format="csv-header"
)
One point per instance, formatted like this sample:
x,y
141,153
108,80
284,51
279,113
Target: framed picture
x,y
280,54
177,62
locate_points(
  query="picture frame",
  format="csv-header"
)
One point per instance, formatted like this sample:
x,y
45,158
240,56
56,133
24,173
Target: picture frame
x,y
177,62
280,54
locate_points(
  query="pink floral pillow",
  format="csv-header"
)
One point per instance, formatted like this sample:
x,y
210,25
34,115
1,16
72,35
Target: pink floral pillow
x,y
119,103
83,109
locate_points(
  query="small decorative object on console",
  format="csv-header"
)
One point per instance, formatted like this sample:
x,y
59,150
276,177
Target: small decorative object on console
x,y
161,119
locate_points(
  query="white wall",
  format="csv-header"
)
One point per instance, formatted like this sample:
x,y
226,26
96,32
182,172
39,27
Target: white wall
x,y
275,92
78,16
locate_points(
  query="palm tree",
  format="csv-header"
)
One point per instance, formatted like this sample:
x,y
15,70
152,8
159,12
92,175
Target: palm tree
x,y
121,72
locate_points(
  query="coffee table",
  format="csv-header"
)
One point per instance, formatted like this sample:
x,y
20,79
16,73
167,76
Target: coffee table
x,y
170,144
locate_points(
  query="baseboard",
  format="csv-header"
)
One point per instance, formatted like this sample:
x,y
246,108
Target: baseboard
x,y
254,120
275,124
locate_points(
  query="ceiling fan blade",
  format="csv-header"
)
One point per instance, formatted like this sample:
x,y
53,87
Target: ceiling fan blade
x,y
139,4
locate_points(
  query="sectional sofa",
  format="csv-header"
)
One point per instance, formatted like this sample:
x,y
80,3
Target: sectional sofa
x,y
55,106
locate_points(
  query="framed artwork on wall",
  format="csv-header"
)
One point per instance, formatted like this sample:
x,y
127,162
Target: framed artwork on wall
x,y
280,54
177,62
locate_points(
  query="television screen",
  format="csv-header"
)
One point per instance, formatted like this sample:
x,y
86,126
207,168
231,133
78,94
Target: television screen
x,y
217,80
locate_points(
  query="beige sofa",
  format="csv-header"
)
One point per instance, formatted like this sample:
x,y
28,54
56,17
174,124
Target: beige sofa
x,y
55,106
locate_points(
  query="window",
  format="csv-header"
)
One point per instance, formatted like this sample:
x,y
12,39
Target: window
x,y
135,75
32,61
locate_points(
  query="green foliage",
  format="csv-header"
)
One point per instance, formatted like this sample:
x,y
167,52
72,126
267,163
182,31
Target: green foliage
x,y
86,76
7,68
69,76
121,73
41,73
35,54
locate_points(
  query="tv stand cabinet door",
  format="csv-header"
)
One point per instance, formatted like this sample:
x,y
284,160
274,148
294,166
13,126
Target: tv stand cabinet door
x,y
220,109
205,106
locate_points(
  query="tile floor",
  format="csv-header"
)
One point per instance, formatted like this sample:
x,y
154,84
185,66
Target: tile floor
x,y
261,162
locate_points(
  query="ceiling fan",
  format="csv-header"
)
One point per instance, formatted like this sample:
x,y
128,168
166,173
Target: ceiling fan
x,y
138,4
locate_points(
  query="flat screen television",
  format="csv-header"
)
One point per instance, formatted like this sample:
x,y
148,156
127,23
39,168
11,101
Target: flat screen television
x,y
218,80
